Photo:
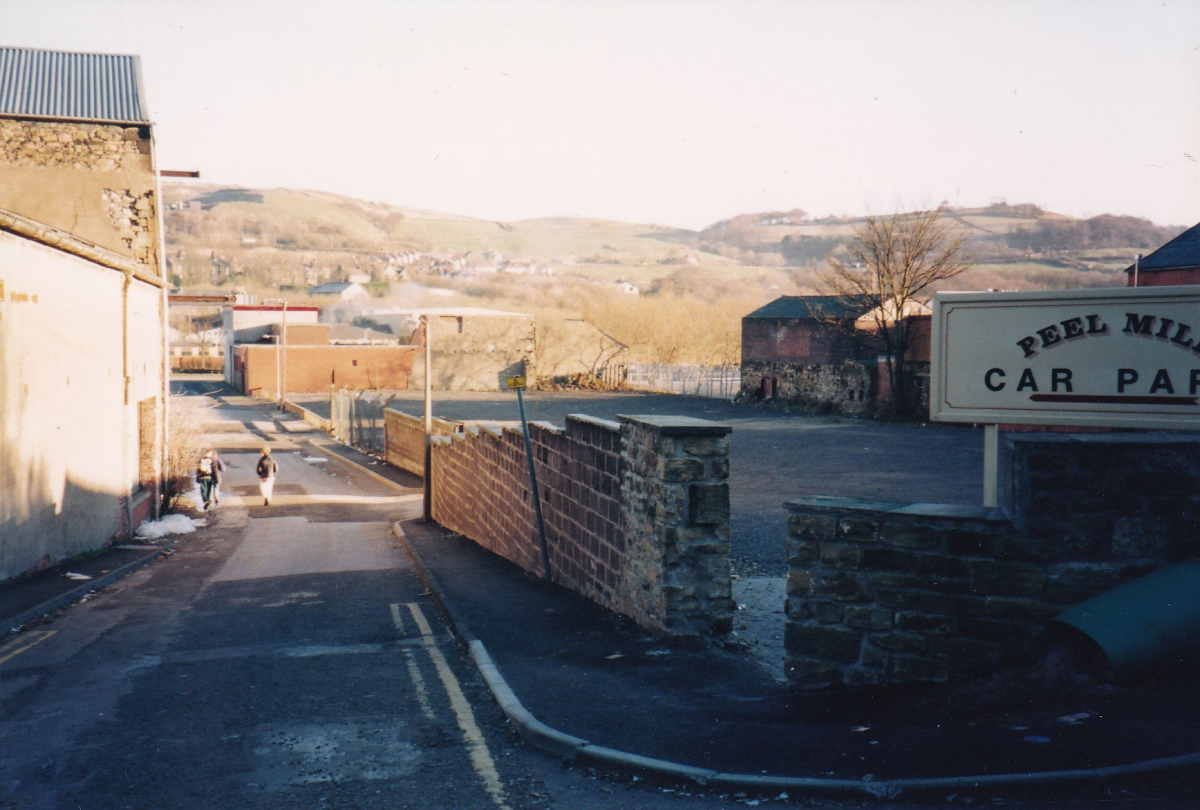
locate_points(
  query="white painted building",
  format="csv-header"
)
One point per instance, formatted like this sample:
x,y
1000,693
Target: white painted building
x,y
83,384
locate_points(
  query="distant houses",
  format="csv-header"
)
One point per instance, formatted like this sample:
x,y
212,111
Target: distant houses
x,y
83,301
341,290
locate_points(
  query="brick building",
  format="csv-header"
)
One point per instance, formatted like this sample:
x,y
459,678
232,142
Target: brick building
x,y
82,307
823,352
1176,262
807,329
806,351
254,324
308,362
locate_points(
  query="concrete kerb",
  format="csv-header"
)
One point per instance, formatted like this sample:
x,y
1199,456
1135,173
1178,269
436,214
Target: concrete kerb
x,y
75,594
573,749
578,751
322,446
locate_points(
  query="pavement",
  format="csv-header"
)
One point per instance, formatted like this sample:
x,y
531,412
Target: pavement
x,y
34,597
590,687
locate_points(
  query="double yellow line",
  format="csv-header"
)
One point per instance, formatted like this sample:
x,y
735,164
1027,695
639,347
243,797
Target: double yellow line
x,y
477,747
23,642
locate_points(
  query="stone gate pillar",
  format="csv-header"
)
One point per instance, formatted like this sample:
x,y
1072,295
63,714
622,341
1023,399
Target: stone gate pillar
x,y
675,510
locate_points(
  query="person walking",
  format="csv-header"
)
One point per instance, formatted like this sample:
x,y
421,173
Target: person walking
x,y
219,473
206,478
266,470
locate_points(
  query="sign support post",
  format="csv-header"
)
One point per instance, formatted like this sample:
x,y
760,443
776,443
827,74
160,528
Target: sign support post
x,y
519,384
991,465
1106,358
427,497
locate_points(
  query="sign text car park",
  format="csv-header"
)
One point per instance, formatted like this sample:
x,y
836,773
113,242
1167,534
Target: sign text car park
x,y
1125,357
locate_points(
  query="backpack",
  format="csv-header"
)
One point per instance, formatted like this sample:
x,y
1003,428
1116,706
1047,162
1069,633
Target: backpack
x,y
264,467
206,468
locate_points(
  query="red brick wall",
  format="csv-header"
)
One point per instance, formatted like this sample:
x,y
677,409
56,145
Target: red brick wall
x,y
404,436
1165,278
481,490
794,340
312,369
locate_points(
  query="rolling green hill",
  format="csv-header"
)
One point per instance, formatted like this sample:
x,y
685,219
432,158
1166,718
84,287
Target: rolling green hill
x,y
271,237
700,283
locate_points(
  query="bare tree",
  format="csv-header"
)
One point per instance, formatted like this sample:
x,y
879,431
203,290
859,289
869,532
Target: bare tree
x,y
184,446
890,262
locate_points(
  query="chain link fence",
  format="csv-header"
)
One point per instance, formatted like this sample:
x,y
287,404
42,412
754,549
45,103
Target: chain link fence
x,y
356,418
714,382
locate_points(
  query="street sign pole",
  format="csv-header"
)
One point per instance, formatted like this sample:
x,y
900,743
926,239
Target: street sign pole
x,y
519,384
427,512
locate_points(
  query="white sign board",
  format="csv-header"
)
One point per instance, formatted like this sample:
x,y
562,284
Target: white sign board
x,y
1123,357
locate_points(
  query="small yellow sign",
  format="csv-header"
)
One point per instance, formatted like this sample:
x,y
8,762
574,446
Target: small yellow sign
x,y
516,382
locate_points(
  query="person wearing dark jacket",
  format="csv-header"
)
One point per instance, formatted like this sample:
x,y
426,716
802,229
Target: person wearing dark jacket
x,y
206,478
266,469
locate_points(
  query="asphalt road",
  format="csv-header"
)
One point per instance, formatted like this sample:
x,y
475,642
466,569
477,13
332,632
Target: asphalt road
x,y
774,456
283,656
288,657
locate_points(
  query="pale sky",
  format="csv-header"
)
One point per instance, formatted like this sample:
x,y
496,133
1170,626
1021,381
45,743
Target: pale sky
x,y
676,113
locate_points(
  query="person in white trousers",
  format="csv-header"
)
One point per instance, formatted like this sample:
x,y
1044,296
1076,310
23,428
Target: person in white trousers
x,y
266,470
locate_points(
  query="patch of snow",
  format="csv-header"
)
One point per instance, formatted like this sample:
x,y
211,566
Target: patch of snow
x,y
171,524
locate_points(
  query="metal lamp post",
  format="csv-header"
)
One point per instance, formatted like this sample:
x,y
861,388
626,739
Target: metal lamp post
x,y
280,353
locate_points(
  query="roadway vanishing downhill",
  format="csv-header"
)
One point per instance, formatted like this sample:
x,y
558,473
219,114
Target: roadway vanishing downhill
x,y
291,655
281,656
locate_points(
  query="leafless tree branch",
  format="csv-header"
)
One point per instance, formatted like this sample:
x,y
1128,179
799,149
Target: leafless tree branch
x,y
892,261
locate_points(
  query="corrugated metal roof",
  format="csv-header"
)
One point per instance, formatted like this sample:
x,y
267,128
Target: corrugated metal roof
x,y
812,306
1180,253
77,86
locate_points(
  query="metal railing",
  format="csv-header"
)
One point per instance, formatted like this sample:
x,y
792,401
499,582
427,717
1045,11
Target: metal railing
x,y
356,418
714,382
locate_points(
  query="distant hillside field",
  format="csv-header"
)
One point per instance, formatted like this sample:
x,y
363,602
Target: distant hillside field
x,y
268,240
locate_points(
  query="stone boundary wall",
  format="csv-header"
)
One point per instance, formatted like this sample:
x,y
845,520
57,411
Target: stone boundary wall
x,y
636,513
1108,494
405,438
296,409
884,593
846,388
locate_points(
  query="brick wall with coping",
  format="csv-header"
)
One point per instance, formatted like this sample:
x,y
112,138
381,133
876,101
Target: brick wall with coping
x,y
405,438
882,593
636,513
